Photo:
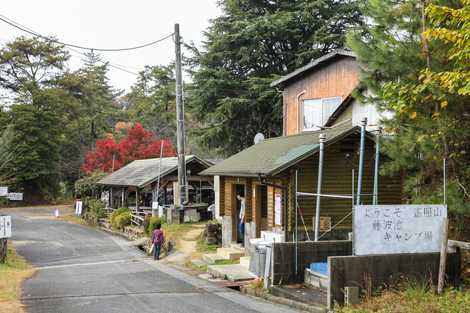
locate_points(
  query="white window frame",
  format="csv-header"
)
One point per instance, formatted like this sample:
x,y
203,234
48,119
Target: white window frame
x,y
323,118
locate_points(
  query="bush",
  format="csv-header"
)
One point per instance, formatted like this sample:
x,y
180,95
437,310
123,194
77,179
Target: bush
x,y
94,210
120,218
153,222
123,220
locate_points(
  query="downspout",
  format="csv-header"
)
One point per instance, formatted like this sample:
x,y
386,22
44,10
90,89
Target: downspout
x,y
361,161
298,109
319,182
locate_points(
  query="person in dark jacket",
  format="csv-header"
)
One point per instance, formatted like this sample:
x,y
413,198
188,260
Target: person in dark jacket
x,y
157,241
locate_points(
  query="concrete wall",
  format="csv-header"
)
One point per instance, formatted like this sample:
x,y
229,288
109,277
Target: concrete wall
x,y
226,231
308,252
381,270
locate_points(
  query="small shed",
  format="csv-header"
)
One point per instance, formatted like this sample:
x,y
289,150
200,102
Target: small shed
x,y
135,185
265,174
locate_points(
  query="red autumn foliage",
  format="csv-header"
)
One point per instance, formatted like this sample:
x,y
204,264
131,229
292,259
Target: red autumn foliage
x,y
138,144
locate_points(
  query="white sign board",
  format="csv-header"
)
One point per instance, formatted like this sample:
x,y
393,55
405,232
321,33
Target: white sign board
x,y
277,209
105,196
3,191
5,226
15,196
390,229
78,207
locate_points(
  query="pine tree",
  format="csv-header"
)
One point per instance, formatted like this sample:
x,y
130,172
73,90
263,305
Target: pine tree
x,y
246,48
415,61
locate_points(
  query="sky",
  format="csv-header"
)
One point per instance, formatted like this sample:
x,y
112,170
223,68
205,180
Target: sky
x,y
113,24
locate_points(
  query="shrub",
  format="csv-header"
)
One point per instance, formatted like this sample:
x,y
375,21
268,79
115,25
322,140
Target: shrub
x,y
123,220
94,210
153,222
117,221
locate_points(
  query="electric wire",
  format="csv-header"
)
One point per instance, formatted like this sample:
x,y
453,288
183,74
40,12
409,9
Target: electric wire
x,y
36,34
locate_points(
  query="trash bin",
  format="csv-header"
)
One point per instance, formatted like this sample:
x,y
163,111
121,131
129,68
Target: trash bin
x,y
258,260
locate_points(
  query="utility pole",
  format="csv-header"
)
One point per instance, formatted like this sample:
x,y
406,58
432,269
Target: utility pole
x,y
182,183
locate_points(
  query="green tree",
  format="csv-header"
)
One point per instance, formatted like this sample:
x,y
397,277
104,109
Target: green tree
x,y
415,59
152,100
27,69
90,113
246,48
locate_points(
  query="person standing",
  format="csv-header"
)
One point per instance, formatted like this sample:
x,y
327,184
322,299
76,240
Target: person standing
x,y
157,241
241,226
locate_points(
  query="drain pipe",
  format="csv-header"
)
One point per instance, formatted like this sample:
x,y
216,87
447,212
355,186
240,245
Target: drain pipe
x,y
319,182
375,199
298,109
361,161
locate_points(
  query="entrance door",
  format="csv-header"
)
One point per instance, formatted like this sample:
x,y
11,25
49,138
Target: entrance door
x,y
237,189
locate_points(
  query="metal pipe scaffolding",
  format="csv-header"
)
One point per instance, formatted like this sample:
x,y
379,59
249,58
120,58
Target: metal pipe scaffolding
x,y
319,182
375,196
361,160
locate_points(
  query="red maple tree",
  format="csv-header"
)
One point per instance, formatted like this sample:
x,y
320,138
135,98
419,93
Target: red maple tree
x,y
139,143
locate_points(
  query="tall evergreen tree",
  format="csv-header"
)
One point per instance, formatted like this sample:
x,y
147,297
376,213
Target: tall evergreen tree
x,y
27,68
411,52
246,48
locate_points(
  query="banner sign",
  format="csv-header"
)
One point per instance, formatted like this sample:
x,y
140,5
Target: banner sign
x,y
5,226
15,196
391,229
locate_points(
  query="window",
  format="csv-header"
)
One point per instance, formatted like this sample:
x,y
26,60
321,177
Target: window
x,y
317,111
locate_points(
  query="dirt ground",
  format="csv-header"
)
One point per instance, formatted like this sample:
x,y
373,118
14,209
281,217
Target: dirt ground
x,y
186,245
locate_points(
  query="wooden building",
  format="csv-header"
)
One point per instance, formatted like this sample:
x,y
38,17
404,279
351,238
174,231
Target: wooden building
x,y
135,185
314,96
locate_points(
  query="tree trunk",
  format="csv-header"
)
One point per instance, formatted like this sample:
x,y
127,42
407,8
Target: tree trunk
x,y
3,250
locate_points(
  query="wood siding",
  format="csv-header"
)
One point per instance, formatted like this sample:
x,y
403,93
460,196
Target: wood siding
x,y
336,79
337,179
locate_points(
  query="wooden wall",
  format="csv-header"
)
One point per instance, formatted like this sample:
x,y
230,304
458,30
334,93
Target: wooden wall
x,y
336,79
337,179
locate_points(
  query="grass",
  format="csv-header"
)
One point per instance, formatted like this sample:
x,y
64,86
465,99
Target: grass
x,y
72,218
414,299
12,275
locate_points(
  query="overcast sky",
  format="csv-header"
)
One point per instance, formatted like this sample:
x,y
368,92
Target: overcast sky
x,y
113,24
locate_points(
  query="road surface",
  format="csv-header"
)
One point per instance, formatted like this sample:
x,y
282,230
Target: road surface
x,y
84,270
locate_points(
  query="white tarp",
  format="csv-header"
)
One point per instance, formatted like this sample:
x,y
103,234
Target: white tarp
x,y
3,191
389,229
5,226
15,196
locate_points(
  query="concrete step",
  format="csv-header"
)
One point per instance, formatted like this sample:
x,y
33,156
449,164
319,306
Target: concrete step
x,y
198,263
230,253
245,261
231,272
236,246
211,258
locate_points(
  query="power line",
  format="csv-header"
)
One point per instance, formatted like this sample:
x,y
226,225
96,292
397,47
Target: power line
x,y
36,34
113,65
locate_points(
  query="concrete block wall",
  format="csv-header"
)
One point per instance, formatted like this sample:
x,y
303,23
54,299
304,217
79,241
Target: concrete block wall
x,y
308,252
385,270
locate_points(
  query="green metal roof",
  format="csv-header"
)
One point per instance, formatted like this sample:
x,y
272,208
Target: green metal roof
x,y
274,155
140,173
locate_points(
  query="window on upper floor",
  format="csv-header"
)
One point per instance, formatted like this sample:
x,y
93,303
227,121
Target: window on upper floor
x,y
317,111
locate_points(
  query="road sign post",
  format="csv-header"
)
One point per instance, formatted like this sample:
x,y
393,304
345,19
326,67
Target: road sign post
x,y
5,232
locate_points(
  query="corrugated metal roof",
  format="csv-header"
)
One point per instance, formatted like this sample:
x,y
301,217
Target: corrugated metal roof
x,y
272,156
311,65
140,173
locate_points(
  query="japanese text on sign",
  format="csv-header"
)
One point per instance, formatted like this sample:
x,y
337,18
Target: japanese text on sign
x,y
5,226
388,229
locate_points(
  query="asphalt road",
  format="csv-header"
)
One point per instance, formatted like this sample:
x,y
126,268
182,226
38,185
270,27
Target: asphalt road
x,y
80,269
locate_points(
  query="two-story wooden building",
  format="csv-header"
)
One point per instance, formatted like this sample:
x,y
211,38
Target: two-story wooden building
x,y
316,100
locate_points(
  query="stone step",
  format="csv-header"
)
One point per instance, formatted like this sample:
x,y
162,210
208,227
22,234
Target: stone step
x,y
230,253
231,272
245,261
211,258
236,246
